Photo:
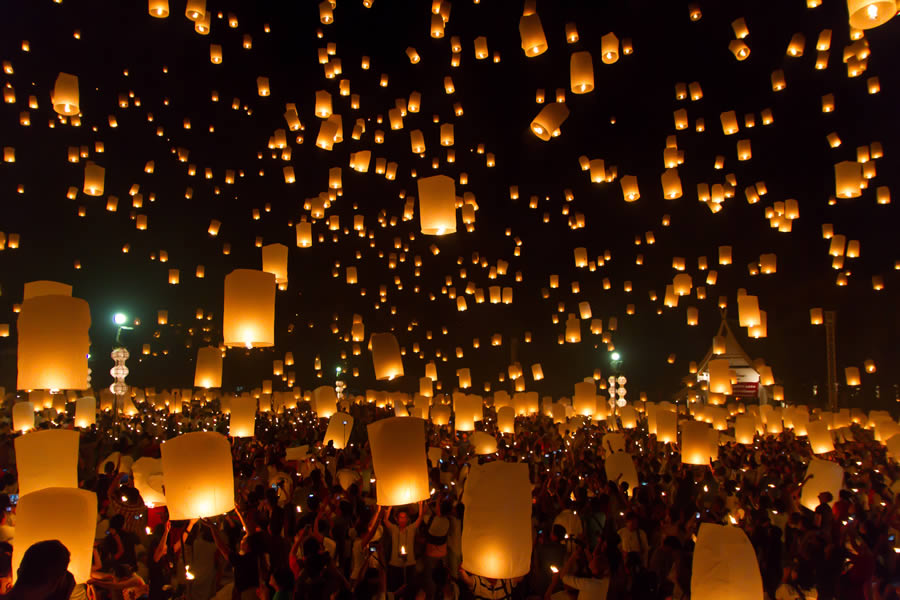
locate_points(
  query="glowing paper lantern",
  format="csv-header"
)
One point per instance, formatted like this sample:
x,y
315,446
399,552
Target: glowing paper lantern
x,y
724,565
744,429
581,72
547,123
866,14
437,205
243,417
53,343
484,443
158,8
398,459
340,426
45,288
275,261
248,315
748,311
506,419
85,412
621,464
148,480
47,459
324,400
666,426
65,95
827,477
852,376
440,415
695,443
719,376
496,541
819,437
199,475
23,416
628,416
65,514
386,356
534,43
584,400
208,371
848,180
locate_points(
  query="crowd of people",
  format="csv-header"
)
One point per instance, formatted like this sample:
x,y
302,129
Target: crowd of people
x,y
306,524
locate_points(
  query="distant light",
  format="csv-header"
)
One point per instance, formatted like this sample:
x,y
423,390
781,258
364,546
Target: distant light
x,y
120,318
338,369
616,356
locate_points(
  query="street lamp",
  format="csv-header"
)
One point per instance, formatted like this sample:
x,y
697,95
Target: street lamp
x,y
119,370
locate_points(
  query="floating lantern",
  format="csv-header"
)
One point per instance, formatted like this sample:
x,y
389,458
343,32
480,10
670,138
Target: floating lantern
x,y
819,437
866,14
248,315
340,426
65,95
398,459
852,376
547,123
724,564
695,443
534,43
581,72
496,541
386,356
827,477
198,475
85,412
68,515
158,8
208,371
506,419
47,459
848,179
437,205
620,466
23,416
53,343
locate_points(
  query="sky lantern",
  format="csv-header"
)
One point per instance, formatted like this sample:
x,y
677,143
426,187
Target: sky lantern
x,y
243,417
695,443
65,95
208,370
198,475
53,343
437,205
94,175
195,10
534,43
609,47
158,8
748,310
547,123
866,14
47,459
85,412
496,541
248,314
724,564
581,72
848,179
398,460
386,356
275,261
67,514
827,477
819,437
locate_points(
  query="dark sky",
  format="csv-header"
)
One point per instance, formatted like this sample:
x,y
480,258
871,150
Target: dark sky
x,y
624,121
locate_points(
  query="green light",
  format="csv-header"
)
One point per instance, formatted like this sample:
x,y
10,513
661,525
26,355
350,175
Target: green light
x,y
120,318
615,356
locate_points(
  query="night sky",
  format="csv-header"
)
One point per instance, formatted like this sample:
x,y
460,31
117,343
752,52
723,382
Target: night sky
x,y
162,67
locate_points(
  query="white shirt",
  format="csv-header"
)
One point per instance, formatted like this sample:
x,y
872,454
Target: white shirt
x,y
588,588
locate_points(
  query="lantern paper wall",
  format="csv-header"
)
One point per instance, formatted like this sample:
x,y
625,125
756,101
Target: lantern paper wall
x,y
386,356
248,315
148,480
53,343
398,459
85,412
340,426
496,541
695,438
243,417
724,565
65,514
621,463
437,205
827,477
47,459
199,475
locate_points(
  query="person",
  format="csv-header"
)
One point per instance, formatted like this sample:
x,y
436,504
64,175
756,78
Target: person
x,y
488,588
437,529
402,564
592,587
5,567
7,529
43,573
124,583
633,539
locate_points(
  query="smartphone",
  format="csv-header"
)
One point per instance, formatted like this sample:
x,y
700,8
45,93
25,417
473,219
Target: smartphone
x,y
14,499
